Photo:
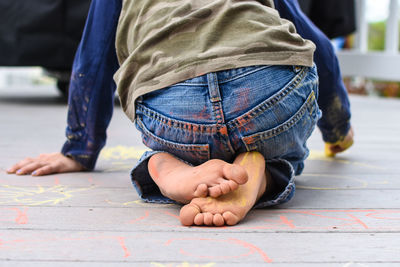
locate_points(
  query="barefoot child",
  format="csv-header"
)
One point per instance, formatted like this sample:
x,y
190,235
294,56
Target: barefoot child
x,y
224,93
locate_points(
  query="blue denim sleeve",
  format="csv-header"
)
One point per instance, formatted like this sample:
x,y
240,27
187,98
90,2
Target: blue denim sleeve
x,y
333,98
91,92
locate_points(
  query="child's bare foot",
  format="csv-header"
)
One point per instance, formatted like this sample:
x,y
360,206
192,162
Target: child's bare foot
x,y
182,182
231,208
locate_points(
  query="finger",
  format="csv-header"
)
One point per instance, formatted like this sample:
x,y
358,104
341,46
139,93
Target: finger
x,y
19,165
30,168
45,170
342,146
347,143
336,149
13,169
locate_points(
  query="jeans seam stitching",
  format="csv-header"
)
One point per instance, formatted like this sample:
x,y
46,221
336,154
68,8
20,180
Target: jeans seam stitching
x,y
174,145
176,124
256,111
244,74
286,125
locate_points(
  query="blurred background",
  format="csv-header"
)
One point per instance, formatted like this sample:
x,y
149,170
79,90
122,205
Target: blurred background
x,y
38,39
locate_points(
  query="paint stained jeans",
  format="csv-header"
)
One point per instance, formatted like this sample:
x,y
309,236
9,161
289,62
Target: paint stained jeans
x,y
269,109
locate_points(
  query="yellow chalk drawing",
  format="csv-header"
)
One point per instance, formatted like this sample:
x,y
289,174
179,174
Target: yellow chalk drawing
x,y
234,198
184,264
253,170
244,160
320,156
137,203
122,153
361,183
37,196
241,202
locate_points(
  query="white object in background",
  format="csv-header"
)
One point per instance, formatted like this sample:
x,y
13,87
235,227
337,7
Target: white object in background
x,y
381,65
19,76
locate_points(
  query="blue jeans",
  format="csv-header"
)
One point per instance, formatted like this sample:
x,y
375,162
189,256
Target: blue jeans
x,y
269,109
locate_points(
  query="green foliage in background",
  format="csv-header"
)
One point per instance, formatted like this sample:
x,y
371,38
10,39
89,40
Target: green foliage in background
x,y
376,42
376,37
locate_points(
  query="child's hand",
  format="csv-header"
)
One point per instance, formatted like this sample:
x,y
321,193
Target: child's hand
x,y
332,149
46,164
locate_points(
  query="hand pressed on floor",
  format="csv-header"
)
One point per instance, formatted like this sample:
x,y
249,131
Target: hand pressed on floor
x,y
46,164
331,149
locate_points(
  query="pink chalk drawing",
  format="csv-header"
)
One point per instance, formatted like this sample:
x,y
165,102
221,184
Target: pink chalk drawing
x,y
234,245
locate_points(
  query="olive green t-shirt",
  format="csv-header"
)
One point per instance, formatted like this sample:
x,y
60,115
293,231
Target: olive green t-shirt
x,y
163,42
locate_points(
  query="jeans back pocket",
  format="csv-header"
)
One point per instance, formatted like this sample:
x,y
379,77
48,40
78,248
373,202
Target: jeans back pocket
x,y
288,139
185,150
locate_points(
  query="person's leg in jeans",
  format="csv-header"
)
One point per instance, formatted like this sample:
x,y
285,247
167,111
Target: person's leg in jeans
x,y
333,100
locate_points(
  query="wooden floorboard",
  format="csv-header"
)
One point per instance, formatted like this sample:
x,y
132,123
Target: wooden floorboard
x,y
346,211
